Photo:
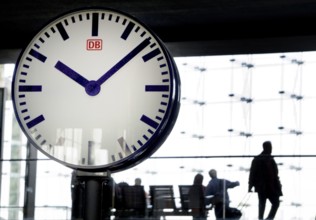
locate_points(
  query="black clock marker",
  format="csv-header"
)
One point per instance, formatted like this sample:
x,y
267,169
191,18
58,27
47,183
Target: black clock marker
x,y
134,148
140,143
151,55
95,24
128,30
38,55
157,88
35,121
62,31
30,88
160,58
161,111
158,118
149,121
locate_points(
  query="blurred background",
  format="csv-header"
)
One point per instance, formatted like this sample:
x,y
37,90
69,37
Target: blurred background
x,y
230,105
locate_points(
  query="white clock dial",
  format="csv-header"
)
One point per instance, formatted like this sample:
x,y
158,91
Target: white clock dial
x,y
95,89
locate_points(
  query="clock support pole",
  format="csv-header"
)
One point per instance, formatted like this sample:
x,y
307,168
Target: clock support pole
x,y
92,195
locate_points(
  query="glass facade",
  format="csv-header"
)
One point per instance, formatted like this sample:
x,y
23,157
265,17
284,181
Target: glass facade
x,y
230,105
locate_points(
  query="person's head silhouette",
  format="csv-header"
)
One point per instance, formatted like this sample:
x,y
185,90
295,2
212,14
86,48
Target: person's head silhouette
x,y
267,147
138,181
212,173
198,179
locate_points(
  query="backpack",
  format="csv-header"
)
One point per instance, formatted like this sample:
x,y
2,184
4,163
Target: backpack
x,y
233,213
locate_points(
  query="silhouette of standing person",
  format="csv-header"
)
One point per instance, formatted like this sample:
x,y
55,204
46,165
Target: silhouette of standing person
x,y
218,188
264,177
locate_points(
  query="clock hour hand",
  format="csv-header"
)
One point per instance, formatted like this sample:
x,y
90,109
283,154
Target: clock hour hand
x,y
92,87
123,61
71,73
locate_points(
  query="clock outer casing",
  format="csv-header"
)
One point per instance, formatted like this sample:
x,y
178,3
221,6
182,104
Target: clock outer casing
x,y
96,90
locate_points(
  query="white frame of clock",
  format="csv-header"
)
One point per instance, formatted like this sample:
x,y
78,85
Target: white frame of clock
x,y
96,90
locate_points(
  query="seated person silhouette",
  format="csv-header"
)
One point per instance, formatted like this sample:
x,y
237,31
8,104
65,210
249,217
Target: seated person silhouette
x,y
196,198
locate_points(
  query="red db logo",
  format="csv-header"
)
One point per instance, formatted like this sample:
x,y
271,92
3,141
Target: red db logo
x,y
94,44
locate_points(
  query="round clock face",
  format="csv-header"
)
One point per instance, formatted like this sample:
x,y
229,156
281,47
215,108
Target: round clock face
x,y
96,89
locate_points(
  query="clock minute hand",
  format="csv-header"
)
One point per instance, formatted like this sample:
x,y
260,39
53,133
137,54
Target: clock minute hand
x,y
71,73
123,61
